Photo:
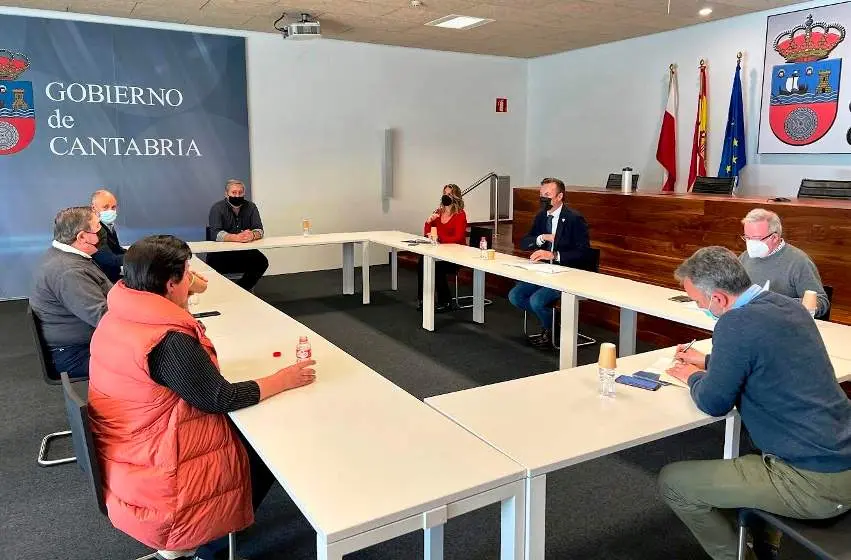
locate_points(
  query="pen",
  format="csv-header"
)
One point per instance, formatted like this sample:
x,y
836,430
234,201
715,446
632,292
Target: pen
x,y
686,349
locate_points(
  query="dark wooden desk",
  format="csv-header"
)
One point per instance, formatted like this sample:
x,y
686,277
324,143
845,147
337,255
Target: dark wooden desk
x,y
645,236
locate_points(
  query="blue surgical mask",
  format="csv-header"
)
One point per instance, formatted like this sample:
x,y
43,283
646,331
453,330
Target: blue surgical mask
x,y
709,314
108,217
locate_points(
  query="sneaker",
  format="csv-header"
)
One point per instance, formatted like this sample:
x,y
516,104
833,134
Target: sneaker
x,y
544,341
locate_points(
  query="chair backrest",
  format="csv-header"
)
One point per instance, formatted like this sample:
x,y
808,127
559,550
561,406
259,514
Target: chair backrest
x,y
819,188
828,290
77,411
45,362
714,185
592,260
476,234
614,181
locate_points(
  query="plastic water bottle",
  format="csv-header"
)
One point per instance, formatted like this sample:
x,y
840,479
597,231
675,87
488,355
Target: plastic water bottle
x,y
483,248
607,382
302,350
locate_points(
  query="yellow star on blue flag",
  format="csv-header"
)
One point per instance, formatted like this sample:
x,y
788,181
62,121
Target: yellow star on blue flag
x,y
734,157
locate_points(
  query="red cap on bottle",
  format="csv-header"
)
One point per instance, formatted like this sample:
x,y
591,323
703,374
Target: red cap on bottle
x,y
276,354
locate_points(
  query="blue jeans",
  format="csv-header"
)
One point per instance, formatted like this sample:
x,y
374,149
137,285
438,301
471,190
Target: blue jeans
x,y
73,360
536,299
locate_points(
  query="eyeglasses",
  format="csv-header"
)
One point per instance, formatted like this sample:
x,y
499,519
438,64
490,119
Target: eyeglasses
x,y
745,238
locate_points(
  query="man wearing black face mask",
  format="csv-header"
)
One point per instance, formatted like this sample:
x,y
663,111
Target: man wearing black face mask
x,y
559,235
237,220
69,290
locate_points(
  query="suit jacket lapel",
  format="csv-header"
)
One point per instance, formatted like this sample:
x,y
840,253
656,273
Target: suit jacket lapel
x,y
562,220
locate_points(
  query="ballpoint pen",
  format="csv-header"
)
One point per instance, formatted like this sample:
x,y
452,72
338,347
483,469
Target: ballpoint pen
x,y
686,349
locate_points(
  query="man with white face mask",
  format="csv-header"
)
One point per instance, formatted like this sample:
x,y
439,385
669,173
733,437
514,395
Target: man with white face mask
x,y
768,257
110,253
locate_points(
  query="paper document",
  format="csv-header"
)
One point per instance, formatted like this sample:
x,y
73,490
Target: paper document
x,y
544,268
660,367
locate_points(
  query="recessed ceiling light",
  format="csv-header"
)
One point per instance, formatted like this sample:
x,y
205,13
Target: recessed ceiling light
x,y
455,21
703,12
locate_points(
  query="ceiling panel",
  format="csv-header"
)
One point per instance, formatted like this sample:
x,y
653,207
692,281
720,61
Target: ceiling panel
x,y
523,28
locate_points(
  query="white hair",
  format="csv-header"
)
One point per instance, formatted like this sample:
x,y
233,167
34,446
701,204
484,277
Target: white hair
x,y
100,192
232,182
763,215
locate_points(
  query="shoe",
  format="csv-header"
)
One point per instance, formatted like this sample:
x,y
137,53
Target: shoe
x,y
442,307
545,340
532,338
419,305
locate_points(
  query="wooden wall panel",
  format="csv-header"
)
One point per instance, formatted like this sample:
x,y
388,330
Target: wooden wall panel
x,y
645,236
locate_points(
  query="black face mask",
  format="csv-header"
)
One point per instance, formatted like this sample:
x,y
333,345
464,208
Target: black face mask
x,y
546,203
446,200
236,200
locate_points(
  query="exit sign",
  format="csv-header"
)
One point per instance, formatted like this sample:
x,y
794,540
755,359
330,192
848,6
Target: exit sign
x,y
501,105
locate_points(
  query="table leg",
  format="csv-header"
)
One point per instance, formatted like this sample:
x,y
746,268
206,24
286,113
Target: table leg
x,y
325,551
365,271
394,270
428,293
433,549
569,328
626,340
478,296
348,268
536,501
732,433
513,527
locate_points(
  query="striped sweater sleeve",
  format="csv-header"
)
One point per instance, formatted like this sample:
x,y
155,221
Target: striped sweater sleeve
x,y
180,363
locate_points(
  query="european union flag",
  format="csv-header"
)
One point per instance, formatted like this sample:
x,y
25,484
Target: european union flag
x,y
734,156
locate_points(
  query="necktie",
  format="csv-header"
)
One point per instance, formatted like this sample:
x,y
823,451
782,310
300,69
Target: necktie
x,y
549,246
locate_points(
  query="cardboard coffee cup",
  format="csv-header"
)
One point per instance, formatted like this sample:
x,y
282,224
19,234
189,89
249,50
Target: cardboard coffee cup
x,y
491,254
608,356
433,233
810,301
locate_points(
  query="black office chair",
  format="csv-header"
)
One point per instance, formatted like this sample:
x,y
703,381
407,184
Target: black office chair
x,y
614,181
714,185
51,377
77,411
476,234
828,290
818,188
827,539
592,264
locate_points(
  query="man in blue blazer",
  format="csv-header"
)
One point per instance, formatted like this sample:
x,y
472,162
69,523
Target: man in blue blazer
x,y
110,253
558,235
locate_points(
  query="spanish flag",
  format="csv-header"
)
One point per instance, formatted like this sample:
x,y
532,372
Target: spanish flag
x,y
698,145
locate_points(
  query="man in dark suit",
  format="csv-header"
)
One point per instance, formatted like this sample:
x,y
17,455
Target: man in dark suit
x,y
558,235
110,254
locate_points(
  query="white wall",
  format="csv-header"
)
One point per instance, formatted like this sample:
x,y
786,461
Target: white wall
x,y
317,111
596,110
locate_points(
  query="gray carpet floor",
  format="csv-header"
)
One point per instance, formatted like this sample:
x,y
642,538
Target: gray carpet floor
x,y
603,509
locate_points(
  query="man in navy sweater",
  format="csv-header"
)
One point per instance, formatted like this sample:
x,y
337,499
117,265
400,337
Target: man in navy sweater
x,y
559,235
768,360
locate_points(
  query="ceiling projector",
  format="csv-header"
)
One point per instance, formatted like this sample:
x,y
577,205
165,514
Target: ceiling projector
x,y
306,28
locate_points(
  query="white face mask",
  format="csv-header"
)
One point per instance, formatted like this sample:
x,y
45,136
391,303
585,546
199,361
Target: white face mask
x,y
757,249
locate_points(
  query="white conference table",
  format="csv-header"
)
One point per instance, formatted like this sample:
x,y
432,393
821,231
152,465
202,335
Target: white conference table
x,y
551,421
347,240
630,296
363,460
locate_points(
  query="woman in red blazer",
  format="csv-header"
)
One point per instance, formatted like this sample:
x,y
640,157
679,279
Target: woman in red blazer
x,y
450,221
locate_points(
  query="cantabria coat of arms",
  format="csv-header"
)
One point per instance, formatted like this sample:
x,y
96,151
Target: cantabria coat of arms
x,y
805,90
17,112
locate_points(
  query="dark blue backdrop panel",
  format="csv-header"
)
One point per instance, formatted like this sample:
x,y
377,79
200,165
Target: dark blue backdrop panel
x,y
162,192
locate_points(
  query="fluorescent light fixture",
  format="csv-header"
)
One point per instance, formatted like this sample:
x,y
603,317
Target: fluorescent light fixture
x,y
703,12
454,21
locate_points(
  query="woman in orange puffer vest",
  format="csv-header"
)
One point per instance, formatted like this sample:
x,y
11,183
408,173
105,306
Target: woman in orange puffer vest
x,y
176,474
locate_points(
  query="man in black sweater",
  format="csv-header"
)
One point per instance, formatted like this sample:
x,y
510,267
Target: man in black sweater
x,y
237,220
769,361
110,254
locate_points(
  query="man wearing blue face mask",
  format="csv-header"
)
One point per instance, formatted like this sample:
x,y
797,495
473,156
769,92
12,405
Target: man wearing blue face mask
x,y
110,253
769,258
769,362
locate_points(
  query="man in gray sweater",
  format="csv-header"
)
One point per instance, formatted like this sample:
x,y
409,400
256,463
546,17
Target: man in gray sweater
x,y
69,290
768,361
769,258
